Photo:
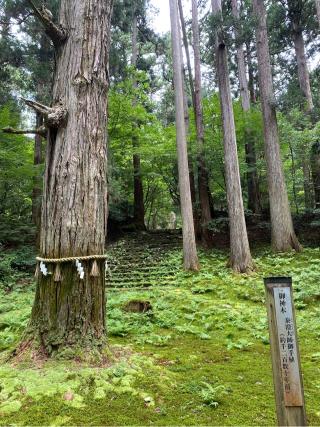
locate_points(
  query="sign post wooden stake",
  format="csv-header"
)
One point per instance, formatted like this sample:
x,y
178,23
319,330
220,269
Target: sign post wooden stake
x,y
287,378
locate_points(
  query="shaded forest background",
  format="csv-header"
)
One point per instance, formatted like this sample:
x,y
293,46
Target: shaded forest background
x,y
142,163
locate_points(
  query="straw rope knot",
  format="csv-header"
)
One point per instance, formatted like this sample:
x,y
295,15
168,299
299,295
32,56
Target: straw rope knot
x,y
95,271
68,259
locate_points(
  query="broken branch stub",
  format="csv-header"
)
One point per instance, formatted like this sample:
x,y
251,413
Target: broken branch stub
x,y
42,131
57,33
54,116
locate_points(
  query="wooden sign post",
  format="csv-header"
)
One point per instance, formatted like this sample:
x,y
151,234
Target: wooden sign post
x,y
286,365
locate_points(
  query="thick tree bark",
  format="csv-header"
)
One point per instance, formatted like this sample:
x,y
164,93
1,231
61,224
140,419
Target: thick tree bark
x,y
252,174
71,312
37,181
240,258
315,165
189,242
282,232
138,197
203,179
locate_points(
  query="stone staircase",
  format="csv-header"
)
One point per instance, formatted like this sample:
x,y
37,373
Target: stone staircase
x,y
143,260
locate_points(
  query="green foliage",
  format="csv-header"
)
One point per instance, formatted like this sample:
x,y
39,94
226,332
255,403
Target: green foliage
x,y
207,334
16,177
130,104
212,395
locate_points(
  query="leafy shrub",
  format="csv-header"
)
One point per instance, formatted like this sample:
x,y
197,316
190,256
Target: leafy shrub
x,y
212,395
219,225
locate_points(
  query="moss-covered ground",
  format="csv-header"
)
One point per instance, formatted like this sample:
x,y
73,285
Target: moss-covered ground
x,y
201,356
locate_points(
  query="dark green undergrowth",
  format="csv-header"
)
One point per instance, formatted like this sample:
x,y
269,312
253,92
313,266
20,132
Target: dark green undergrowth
x,y
201,356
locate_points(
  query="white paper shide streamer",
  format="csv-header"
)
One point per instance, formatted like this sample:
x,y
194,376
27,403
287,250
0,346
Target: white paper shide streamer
x,y
80,269
43,269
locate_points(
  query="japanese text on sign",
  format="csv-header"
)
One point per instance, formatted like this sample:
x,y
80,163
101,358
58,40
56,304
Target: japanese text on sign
x,y
288,347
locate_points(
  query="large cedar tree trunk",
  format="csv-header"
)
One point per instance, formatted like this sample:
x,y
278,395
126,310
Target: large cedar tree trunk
x,y
74,212
240,257
189,242
252,174
138,198
282,232
203,178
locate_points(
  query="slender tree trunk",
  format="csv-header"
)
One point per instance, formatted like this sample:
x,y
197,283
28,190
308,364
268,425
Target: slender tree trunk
x,y
71,312
293,176
295,9
187,118
203,179
252,175
254,198
282,232
37,180
318,9
243,82
186,49
251,81
138,197
315,165
240,258
308,202
303,72
189,242
190,160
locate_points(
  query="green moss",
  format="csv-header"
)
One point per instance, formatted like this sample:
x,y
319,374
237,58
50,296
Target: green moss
x,y
205,342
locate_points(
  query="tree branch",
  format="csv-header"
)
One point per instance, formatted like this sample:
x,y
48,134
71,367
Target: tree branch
x,y
18,21
57,33
54,116
42,131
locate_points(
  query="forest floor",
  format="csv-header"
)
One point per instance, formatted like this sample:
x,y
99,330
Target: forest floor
x,y
200,356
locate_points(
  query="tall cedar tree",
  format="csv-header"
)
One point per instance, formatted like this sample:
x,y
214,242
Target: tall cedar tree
x,y
197,225
282,232
203,179
139,211
71,312
295,11
254,203
187,127
315,150
189,242
240,257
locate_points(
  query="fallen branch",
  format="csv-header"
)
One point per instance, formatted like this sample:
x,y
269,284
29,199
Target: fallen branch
x,y
54,116
57,33
42,131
